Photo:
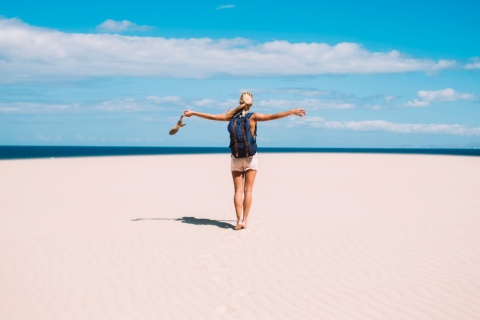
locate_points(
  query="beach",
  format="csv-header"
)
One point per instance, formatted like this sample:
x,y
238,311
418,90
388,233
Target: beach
x,y
330,236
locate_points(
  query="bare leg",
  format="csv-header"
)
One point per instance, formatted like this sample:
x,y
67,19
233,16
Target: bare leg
x,y
238,197
248,190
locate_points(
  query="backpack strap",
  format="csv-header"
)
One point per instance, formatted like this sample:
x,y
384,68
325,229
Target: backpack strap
x,y
248,116
245,142
233,137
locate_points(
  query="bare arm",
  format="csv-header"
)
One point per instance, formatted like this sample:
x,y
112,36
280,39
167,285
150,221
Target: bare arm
x,y
217,117
279,115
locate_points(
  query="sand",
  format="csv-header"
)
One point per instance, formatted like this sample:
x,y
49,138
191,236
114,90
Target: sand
x,y
330,236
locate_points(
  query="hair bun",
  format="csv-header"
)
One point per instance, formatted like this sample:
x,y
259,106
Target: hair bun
x,y
246,98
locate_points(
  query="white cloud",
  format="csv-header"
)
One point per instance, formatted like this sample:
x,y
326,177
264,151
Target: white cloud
x,y
225,6
475,64
386,126
9,109
425,98
166,99
121,105
309,104
388,98
36,107
443,64
30,53
171,103
417,103
112,26
150,103
315,99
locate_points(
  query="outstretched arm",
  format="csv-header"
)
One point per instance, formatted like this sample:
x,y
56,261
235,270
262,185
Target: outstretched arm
x,y
217,117
279,115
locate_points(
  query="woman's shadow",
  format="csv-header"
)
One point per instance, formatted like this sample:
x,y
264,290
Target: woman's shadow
x,y
199,222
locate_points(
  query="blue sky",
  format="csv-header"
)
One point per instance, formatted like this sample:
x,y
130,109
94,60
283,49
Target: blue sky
x,y
120,73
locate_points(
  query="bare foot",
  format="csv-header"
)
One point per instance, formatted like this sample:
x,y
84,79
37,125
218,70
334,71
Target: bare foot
x,y
239,226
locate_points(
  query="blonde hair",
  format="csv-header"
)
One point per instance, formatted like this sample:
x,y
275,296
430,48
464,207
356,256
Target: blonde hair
x,y
242,107
230,113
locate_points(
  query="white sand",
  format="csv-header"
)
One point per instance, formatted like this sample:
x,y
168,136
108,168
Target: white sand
x,y
331,236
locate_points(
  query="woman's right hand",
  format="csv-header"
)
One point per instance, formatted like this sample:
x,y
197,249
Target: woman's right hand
x,y
299,112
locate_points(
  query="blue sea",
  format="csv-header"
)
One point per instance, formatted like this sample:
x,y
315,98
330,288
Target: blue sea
x,y
32,152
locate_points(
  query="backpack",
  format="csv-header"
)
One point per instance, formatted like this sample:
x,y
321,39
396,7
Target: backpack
x,y
242,143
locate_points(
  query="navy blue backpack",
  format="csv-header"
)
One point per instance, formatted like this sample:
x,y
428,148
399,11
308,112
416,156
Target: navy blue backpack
x,y
242,143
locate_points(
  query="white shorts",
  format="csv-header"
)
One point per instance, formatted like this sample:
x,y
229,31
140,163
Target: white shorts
x,y
244,164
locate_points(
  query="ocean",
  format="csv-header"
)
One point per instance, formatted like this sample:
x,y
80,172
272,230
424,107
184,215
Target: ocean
x,y
33,152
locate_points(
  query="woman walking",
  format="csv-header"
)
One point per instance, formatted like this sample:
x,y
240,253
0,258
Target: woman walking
x,y
244,159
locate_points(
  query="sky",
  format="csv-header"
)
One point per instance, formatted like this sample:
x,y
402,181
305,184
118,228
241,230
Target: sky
x,y
371,74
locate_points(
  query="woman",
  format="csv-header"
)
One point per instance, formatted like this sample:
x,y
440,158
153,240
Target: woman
x,y
244,170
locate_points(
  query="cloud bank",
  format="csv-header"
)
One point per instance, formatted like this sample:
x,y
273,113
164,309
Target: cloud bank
x,y
166,109
29,53
425,98
386,126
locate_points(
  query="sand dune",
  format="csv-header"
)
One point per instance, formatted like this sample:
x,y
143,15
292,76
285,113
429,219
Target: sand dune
x,y
331,236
